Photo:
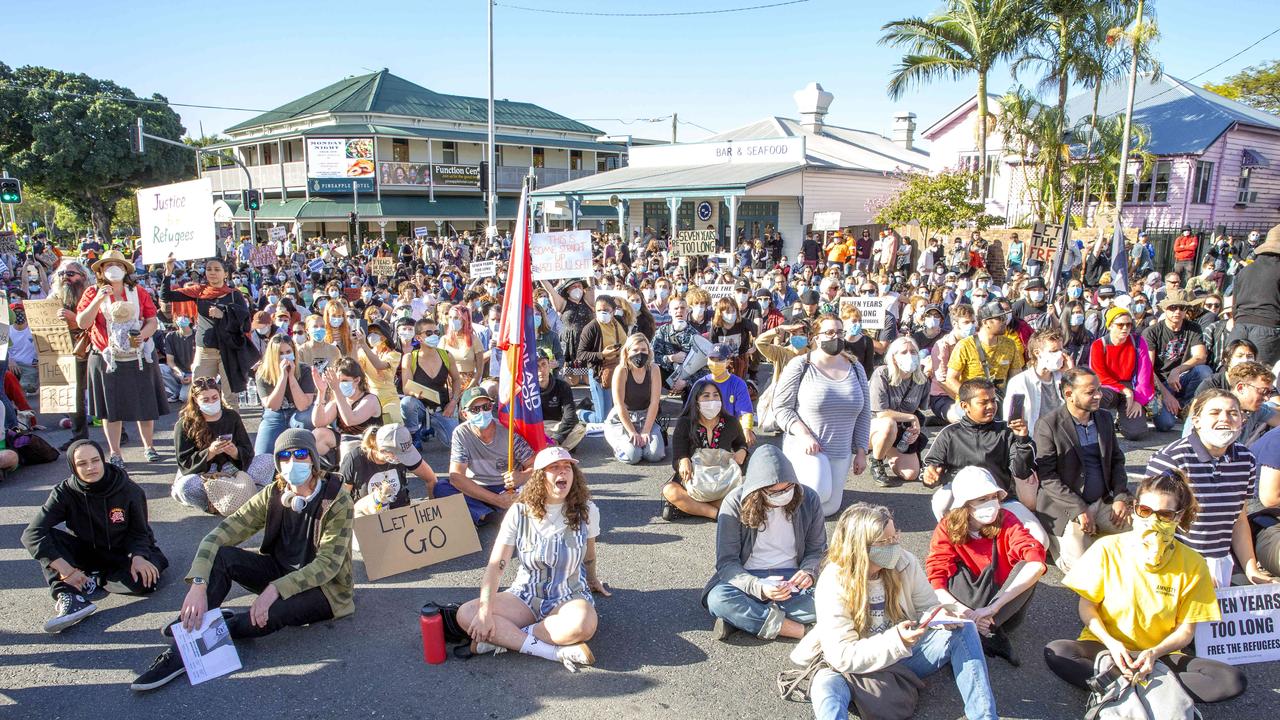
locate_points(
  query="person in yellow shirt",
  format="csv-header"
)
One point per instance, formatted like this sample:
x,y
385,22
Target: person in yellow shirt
x,y
1141,594
988,353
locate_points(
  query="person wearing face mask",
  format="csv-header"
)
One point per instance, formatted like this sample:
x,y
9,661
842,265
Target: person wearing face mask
x,y
779,345
1223,475
1235,353
464,345
631,427
899,392
1036,387
983,563
930,330
1253,384
729,327
573,301
1123,364
942,399
600,349
770,541
380,360
450,291
222,319
430,383
1178,356
1104,300
208,439
673,343
343,409
1034,308
1148,568
107,545
704,424
302,571
823,406
317,351
989,353
286,390
478,460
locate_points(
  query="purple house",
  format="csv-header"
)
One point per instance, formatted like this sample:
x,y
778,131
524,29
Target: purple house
x,y
1217,161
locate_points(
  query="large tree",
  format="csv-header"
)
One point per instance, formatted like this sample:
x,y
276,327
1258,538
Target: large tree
x,y
966,39
67,136
1257,86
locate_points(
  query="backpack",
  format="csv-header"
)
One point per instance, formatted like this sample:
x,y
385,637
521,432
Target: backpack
x,y
1112,697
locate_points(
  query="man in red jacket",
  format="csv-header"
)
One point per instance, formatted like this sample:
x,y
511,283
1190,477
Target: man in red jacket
x,y
1184,253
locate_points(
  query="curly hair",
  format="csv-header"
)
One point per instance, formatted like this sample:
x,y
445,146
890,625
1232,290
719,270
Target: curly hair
x,y
194,424
534,496
755,507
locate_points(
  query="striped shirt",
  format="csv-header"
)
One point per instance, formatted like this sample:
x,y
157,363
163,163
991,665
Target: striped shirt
x,y
1222,486
837,412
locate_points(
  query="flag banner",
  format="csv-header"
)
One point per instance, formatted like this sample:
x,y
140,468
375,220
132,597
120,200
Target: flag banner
x,y
519,396
1119,262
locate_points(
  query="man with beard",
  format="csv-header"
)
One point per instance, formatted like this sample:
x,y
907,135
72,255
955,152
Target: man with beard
x,y
70,282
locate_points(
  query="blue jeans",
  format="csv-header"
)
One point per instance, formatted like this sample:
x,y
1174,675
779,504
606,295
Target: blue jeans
x,y
1191,379
274,422
10,412
830,692
762,618
416,420
601,402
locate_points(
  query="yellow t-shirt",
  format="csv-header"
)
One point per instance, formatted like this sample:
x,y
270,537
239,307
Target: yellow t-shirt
x,y
838,253
1004,359
1141,608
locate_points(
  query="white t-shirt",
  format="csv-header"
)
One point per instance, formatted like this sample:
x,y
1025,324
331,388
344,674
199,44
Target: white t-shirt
x,y
548,526
775,544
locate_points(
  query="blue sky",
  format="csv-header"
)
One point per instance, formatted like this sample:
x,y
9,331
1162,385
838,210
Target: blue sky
x,y
718,71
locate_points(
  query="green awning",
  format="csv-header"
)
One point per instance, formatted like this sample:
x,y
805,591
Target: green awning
x,y
271,210
391,207
602,212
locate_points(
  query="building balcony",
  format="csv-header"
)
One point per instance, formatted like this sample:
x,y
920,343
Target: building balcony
x,y
267,177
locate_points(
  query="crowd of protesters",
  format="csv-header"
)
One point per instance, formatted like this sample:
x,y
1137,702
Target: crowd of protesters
x,y
965,365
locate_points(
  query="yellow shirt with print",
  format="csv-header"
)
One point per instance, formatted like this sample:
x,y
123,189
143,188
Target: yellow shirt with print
x,y
1004,359
1139,608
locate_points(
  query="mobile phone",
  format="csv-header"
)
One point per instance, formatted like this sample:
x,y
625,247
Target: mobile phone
x,y
929,618
1017,406
224,438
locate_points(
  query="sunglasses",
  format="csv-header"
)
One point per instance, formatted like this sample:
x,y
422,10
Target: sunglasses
x,y
1176,308
206,383
481,407
296,454
1143,511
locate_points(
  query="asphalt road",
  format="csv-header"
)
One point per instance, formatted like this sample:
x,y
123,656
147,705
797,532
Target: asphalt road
x,y
655,654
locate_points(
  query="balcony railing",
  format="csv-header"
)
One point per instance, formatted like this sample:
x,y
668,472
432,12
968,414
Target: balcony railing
x,y
267,177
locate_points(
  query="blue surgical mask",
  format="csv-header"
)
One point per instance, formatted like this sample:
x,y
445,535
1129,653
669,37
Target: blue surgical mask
x,y
1077,318
481,420
1139,308
799,342
1075,293
347,388
317,334
183,321
853,329
295,473
273,299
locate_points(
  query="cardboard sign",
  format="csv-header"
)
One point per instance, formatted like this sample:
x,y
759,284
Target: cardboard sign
x,y
382,267
1248,631
719,290
826,221
177,220
55,361
421,534
484,269
560,255
873,310
1044,243
8,243
689,243
277,234
420,232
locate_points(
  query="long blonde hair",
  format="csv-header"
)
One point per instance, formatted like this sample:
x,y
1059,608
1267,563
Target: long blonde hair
x,y
860,525
896,376
340,336
269,367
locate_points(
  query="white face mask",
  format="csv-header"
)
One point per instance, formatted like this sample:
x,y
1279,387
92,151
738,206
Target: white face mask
x,y
932,323
1050,361
709,408
1219,438
987,512
678,325
603,317
908,362
729,317
782,498
211,408
114,273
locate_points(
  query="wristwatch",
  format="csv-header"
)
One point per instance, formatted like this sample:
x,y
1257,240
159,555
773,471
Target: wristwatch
x,y
197,581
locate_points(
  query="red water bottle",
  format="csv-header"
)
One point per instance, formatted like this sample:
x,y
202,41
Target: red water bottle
x,y
432,626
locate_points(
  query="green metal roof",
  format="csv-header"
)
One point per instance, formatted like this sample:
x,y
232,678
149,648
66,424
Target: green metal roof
x,y
271,209
382,92
366,130
400,207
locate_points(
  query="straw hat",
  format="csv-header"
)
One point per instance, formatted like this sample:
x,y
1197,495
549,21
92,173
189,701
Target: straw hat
x,y
1181,297
1272,243
113,256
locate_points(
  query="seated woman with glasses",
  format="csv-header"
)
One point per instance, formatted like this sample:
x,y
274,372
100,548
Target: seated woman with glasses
x,y
1142,593
1122,361
209,438
344,407
302,571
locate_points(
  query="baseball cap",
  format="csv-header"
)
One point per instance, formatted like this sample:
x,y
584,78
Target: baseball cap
x,y
720,351
991,310
1035,283
1106,291
394,438
550,456
471,395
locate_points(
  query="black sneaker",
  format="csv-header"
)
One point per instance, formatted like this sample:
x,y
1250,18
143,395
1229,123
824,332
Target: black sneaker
x,y
166,667
997,645
880,474
671,512
71,609
167,630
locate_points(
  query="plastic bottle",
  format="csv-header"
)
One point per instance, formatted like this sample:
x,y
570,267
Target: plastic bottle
x,y
432,626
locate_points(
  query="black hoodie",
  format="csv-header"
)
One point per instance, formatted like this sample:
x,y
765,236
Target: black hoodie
x,y
110,515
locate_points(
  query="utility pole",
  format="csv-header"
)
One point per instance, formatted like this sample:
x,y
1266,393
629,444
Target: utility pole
x,y
493,172
675,118
1123,175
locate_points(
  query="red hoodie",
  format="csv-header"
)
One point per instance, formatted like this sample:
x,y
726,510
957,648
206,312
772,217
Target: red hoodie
x,y
1012,546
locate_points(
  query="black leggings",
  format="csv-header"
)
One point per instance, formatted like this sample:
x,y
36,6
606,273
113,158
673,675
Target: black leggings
x,y
1206,680
254,571
113,567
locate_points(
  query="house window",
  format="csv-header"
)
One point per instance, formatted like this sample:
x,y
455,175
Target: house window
x,y
1201,182
400,150
449,152
1153,186
605,162
266,154
1243,196
575,159
969,163
539,157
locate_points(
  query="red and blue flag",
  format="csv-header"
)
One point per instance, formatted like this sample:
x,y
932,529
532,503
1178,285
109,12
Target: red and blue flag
x,y
518,384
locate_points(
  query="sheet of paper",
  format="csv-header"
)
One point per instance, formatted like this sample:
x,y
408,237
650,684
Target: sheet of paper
x,y
208,652
941,621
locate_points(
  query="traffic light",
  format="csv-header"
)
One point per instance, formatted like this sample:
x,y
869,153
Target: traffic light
x,y
251,199
484,176
10,191
352,217
136,143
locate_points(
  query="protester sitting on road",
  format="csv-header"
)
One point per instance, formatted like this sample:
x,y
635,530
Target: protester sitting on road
x,y
286,391
1223,475
559,413
673,341
631,428
599,349
780,344
1178,355
983,562
942,399
463,345
1036,387
478,460
108,543
858,343
344,407
979,439
377,356
548,611
1234,353
1122,361
870,602
302,573
209,438
1141,595
704,424
1253,385
899,392
770,540
431,386
823,406
380,467
989,353
317,352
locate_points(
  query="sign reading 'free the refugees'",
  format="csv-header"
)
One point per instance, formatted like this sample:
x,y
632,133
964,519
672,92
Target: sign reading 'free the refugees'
x,y
1248,632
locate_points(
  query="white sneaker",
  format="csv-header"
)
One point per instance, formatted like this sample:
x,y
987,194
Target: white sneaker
x,y
574,655
484,648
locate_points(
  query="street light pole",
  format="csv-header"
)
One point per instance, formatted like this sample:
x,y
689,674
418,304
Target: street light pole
x,y
493,172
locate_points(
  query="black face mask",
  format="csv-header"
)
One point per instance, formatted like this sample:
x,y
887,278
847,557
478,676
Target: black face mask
x,y
831,346
639,360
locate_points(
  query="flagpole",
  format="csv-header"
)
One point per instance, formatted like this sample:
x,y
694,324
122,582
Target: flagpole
x,y
1123,173
514,353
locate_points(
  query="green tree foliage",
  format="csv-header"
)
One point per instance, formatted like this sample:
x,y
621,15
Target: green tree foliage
x,y
936,202
1257,86
67,136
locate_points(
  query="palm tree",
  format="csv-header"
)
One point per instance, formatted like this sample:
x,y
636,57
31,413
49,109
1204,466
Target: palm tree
x,y
1035,132
1102,156
967,38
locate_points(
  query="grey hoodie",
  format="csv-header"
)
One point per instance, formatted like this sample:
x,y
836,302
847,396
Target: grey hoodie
x,y
734,541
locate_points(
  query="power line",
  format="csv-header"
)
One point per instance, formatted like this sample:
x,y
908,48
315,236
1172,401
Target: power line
x,y
700,127
664,118
144,101
686,13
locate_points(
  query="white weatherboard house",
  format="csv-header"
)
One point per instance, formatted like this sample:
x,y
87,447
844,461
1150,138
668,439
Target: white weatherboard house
x,y
773,174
